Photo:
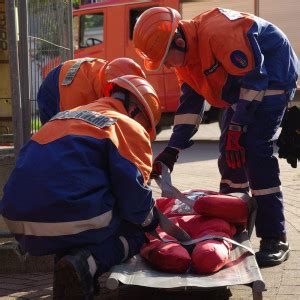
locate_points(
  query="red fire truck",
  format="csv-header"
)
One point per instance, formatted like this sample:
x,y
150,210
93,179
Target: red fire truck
x,y
105,29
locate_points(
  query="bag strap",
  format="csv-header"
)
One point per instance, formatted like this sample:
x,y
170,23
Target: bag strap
x,y
181,237
167,188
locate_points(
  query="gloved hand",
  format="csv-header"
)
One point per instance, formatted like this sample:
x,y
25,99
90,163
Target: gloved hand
x,y
289,138
151,221
168,157
235,153
289,147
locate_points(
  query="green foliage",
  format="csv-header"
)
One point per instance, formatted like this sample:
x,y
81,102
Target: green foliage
x,y
35,124
76,3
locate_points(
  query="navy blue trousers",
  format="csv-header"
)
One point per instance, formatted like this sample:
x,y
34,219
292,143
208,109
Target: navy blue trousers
x,y
124,244
261,170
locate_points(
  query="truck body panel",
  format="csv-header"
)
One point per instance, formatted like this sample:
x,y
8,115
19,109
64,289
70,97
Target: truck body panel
x,y
111,37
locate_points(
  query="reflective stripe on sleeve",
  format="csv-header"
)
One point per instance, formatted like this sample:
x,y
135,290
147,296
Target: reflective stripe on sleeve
x,y
235,185
250,95
190,119
58,229
269,191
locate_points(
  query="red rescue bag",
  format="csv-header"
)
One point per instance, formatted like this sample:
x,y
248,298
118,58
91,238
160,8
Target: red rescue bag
x,y
207,203
169,257
210,256
229,208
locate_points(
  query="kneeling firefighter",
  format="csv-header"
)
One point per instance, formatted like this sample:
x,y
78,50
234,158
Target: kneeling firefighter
x,y
79,189
79,82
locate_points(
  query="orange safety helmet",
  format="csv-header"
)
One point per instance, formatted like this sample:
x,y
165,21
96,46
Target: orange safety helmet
x,y
145,95
153,34
119,67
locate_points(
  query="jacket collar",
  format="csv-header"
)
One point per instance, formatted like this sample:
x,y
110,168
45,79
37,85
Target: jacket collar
x,y
191,37
111,104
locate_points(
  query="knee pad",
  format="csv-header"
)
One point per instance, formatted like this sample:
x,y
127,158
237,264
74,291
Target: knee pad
x,y
210,256
169,257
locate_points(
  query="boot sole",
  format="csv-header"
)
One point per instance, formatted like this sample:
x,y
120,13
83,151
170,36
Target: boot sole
x,y
272,263
68,283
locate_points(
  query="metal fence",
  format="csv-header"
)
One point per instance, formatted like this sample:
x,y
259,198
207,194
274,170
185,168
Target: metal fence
x,y
35,36
39,35
50,42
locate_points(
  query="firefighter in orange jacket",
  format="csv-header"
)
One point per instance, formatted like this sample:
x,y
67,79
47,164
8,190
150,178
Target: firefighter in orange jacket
x,y
79,189
242,63
80,81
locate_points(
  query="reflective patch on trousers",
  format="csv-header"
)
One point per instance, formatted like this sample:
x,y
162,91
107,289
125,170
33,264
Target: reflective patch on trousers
x,y
262,192
235,185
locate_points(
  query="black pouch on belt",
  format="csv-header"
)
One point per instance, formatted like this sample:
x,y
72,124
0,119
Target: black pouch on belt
x,y
289,138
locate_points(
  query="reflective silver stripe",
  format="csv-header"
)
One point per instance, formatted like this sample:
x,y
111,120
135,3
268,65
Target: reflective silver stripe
x,y
73,70
59,228
190,119
88,116
274,92
269,191
126,247
250,95
235,127
235,185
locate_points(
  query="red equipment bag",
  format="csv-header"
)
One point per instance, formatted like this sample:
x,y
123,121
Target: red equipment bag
x,y
207,203
169,257
210,256
207,257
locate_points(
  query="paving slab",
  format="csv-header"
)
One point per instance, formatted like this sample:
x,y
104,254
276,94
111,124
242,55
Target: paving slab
x,y
196,168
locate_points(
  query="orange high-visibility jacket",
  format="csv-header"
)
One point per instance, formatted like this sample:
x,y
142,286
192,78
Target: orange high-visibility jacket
x,y
71,84
79,176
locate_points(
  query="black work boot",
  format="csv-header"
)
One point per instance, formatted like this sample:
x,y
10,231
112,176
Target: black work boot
x,y
72,277
272,252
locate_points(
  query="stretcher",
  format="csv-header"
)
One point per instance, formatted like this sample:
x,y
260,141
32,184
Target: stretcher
x,y
242,269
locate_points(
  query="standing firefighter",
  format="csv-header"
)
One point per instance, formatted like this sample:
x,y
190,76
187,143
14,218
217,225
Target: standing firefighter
x,y
79,189
242,63
80,82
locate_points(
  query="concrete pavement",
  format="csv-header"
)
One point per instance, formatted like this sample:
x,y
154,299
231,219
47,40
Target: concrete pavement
x,y
196,168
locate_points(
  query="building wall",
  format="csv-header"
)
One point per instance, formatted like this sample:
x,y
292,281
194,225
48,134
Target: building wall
x,y
285,14
192,9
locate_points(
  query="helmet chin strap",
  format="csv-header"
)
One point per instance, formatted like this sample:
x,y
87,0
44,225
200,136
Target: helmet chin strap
x,y
123,96
178,34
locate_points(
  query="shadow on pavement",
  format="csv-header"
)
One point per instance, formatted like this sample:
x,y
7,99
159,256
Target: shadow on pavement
x,y
200,151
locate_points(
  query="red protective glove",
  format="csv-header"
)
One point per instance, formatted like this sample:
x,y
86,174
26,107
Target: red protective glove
x,y
235,153
168,157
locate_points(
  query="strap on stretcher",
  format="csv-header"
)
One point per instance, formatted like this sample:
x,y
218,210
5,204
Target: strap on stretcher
x,y
183,238
180,235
